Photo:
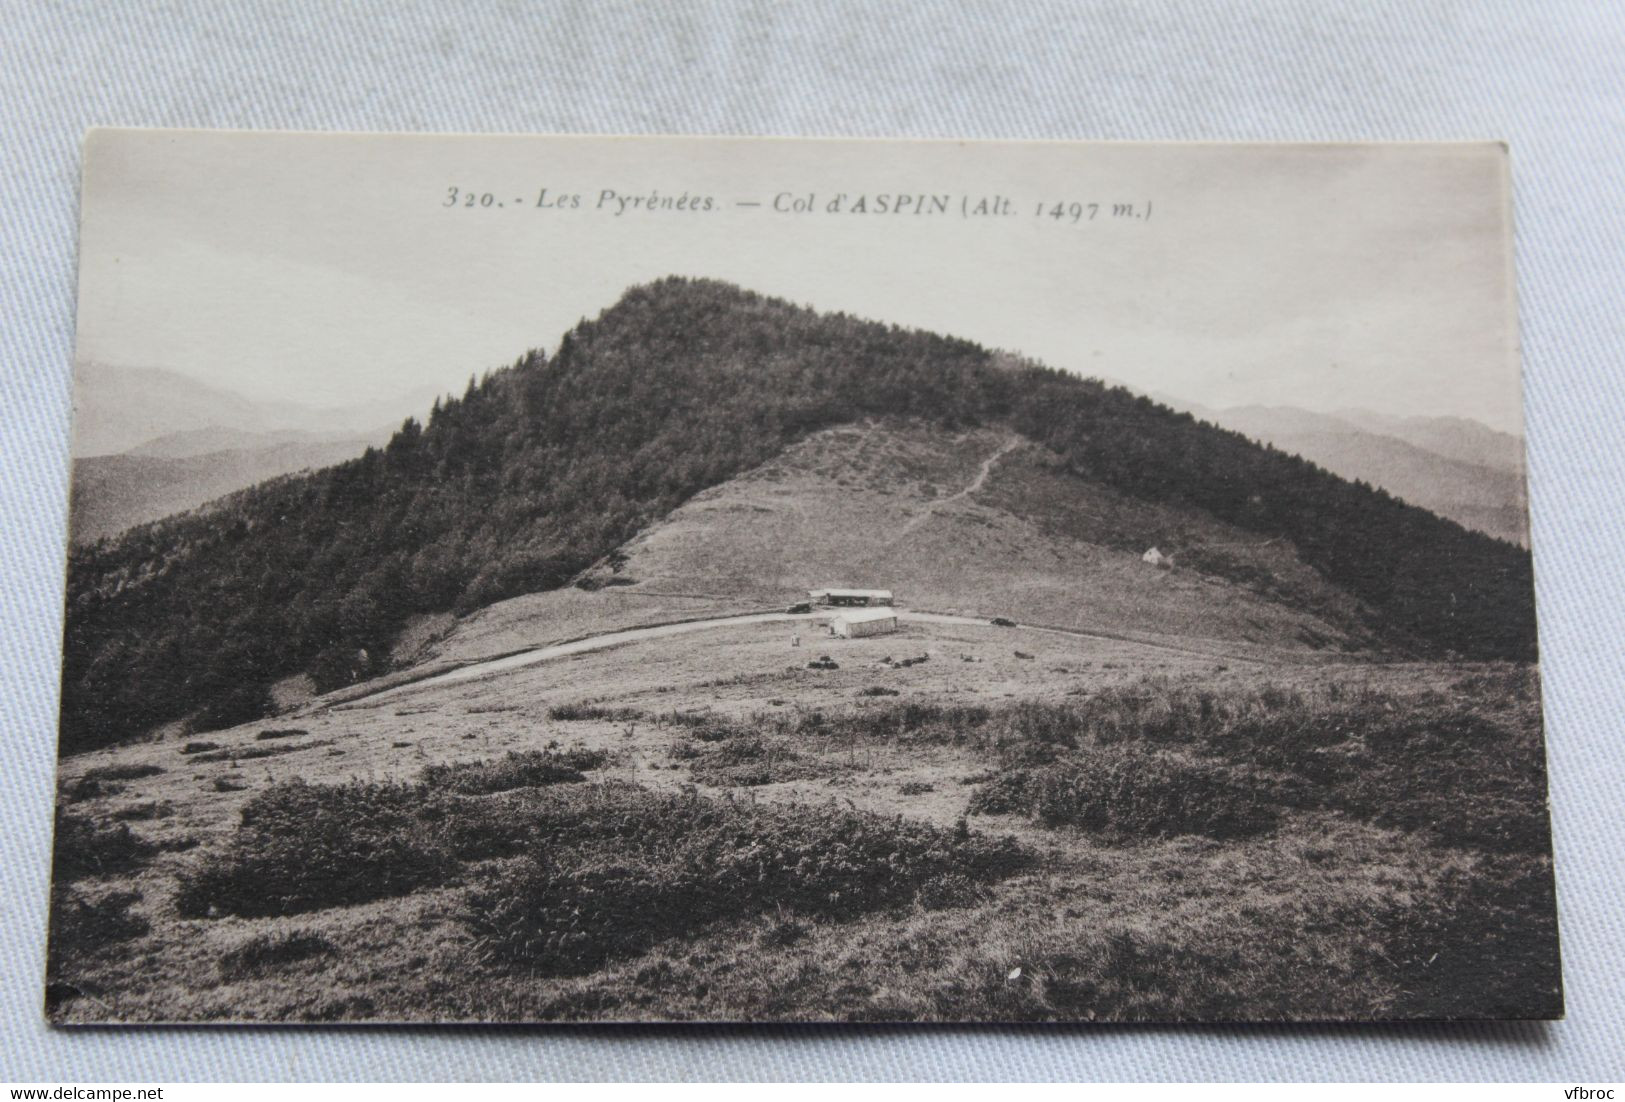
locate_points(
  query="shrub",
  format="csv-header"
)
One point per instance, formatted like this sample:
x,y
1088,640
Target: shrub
x,y
1457,770
1133,791
263,952
251,753
122,772
226,784
86,789
103,780
951,889
1464,770
571,712
80,926
526,769
238,704
143,812
303,847
676,718
199,747
279,732
617,868
878,690
746,761
83,847
1431,764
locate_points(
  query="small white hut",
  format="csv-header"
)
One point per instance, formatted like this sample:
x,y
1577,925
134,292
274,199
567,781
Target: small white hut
x,y
860,622
1154,557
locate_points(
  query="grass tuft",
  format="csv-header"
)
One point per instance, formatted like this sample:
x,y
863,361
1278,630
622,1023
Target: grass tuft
x,y
526,769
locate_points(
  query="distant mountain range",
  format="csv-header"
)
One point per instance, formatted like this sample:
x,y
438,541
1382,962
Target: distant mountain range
x,y
113,493
149,443
1452,466
152,442
123,409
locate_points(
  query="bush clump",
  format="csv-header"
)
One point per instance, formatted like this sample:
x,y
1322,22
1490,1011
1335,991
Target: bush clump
x,y
566,713
84,847
302,847
104,780
122,772
264,952
1446,767
519,769
81,926
616,868
250,753
279,732
143,812
746,761
1465,770
1133,791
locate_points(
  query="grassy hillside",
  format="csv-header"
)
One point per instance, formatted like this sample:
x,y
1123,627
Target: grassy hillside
x,y
704,828
979,522
541,469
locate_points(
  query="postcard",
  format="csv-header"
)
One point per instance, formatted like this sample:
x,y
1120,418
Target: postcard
x,y
526,579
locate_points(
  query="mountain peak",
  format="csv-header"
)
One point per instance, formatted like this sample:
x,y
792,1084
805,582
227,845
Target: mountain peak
x,y
543,469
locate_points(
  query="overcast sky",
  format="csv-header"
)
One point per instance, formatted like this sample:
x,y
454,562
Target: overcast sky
x,y
327,269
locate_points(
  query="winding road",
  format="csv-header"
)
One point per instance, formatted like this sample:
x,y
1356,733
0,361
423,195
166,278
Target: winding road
x,y
508,663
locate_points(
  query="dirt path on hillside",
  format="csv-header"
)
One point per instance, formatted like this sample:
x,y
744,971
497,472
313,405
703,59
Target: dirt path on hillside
x,y
1008,445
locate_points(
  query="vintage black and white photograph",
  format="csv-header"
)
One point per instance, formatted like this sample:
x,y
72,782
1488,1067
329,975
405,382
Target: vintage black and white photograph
x,y
526,579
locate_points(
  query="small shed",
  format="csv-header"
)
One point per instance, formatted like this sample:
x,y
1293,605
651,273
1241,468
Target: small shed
x,y
850,598
1154,557
861,622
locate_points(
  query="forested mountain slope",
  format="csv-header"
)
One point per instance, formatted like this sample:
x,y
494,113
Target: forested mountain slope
x,y
542,468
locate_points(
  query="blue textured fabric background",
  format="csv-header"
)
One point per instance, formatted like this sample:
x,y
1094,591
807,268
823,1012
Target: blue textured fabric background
x,y
1549,77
